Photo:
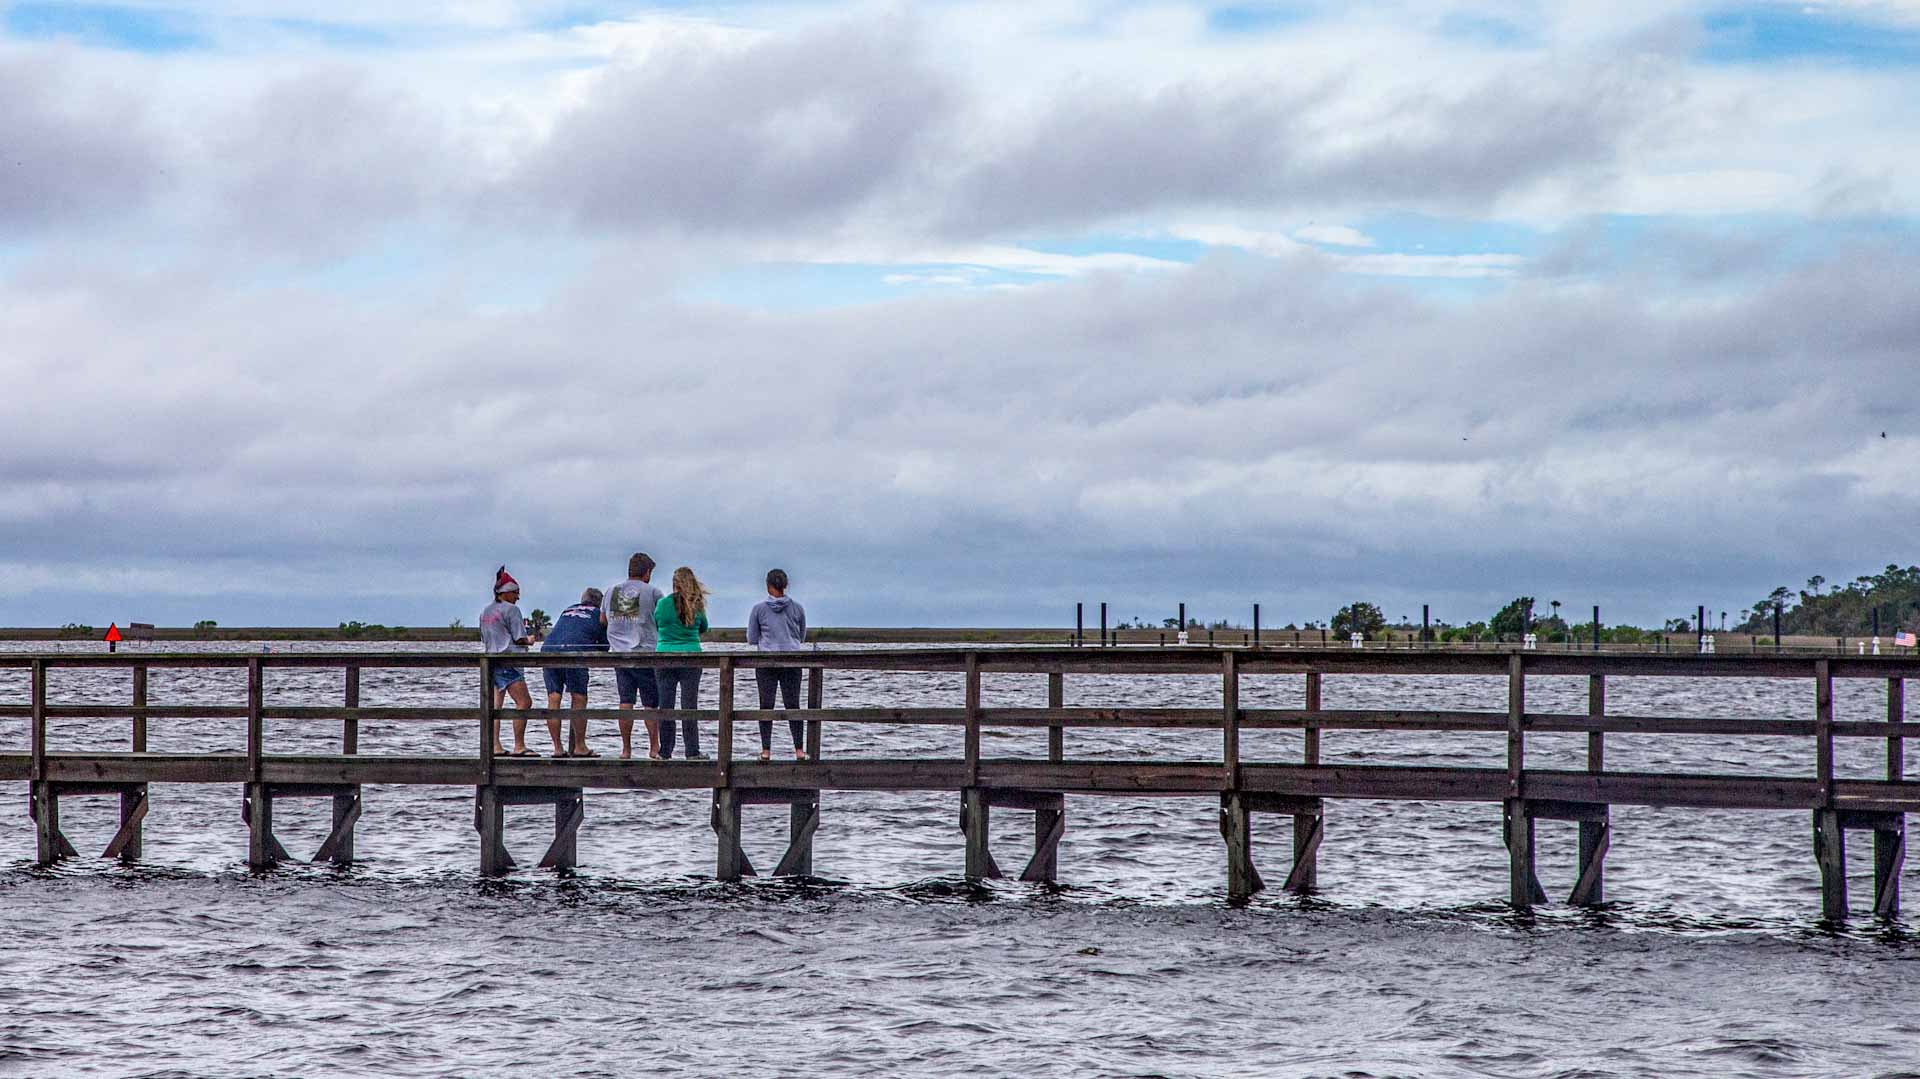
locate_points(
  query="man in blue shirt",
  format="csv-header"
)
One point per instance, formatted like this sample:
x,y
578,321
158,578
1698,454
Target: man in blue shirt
x,y
578,629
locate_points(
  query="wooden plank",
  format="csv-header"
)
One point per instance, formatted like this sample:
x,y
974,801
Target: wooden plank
x,y
1554,809
342,772
1377,781
1675,790
147,767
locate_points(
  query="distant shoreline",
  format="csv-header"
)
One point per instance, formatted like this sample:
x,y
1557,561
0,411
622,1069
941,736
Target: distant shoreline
x,y
1724,642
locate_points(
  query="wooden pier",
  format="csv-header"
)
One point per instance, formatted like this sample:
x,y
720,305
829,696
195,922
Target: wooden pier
x,y
1300,789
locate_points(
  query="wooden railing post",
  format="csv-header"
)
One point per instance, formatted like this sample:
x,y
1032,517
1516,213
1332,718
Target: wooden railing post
x,y
1521,887
257,799
1890,844
725,751
350,728
1829,835
1595,835
1230,721
133,803
489,724
139,706
44,803
1311,750
973,719
346,807
1307,827
37,733
816,698
1056,731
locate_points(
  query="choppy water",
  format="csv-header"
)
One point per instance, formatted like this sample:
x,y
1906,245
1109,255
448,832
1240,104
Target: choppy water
x,y
1710,959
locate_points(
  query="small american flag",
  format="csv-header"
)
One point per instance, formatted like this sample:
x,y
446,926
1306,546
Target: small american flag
x,y
1907,639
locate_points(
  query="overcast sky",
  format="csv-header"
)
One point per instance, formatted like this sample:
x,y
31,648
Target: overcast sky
x,y
960,312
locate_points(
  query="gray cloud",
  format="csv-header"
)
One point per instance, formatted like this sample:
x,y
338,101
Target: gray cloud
x,y
788,131
1285,144
73,147
1244,428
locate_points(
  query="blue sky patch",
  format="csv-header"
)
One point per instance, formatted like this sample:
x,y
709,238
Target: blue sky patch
x,y
1761,35
137,29
1256,18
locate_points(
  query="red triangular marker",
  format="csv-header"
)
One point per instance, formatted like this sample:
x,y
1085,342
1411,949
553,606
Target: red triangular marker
x,y
113,633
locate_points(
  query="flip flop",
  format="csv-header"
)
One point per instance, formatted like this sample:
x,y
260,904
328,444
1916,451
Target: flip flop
x,y
585,753
561,755
523,753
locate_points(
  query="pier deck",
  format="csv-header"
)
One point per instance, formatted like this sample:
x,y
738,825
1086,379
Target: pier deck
x,y
1298,788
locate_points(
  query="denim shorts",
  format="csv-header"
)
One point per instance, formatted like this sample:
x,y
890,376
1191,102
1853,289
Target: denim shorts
x,y
566,680
506,676
637,681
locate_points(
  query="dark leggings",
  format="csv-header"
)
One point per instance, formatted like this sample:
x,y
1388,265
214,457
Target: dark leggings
x,y
687,681
788,680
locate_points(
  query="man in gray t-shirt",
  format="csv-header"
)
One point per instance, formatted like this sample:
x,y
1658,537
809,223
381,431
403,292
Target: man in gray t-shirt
x,y
628,614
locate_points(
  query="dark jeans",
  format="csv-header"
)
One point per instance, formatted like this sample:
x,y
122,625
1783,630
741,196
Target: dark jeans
x,y
687,681
788,681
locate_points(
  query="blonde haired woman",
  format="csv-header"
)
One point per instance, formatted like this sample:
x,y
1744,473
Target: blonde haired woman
x,y
681,617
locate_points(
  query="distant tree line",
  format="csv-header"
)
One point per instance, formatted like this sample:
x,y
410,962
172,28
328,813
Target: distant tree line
x,y
1822,610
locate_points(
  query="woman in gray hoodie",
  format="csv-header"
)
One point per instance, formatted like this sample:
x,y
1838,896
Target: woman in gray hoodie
x,y
779,624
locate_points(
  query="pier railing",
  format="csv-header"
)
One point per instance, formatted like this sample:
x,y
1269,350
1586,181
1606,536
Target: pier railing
x,y
1245,785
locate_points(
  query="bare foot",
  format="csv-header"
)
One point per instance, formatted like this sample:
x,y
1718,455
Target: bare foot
x,y
799,754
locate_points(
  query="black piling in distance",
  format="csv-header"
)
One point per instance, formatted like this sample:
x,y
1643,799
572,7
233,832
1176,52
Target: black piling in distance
x,y
1256,625
1079,624
1700,629
1182,627
1776,625
1596,627
1426,625
1103,625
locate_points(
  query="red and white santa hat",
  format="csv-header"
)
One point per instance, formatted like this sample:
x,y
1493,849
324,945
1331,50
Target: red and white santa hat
x,y
504,582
